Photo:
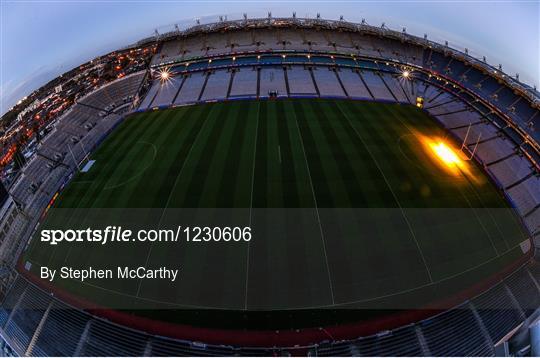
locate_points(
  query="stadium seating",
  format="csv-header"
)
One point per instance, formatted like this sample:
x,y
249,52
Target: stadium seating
x,y
300,81
272,80
217,85
327,82
244,83
353,84
191,89
167,91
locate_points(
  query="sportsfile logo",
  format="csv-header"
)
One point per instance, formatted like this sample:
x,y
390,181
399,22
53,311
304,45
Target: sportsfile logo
x,y
109,234
122,235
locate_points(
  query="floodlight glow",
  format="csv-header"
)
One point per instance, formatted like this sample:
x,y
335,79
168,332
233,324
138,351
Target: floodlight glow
x,y
406,74
445,153
447,158
164,75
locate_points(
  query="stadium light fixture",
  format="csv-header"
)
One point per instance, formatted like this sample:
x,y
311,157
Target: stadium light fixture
x,y
164,75
406,74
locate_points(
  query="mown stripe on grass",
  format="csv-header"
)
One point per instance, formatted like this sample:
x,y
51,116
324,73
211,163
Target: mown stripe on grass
x,y
261,171
233,191
296,159
191,184
323,194
221,147
167,188
289,178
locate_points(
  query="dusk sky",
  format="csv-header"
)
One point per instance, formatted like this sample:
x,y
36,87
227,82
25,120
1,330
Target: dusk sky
x,y
42,39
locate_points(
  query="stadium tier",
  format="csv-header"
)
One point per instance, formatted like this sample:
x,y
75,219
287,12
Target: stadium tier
x,y
322,68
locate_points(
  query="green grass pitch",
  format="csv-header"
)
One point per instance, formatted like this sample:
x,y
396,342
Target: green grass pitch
x,y
384,223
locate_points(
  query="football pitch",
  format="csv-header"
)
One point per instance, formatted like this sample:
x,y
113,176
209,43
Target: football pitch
x,y
349,209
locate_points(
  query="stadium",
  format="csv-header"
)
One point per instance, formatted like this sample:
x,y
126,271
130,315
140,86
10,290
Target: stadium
x,y
391,184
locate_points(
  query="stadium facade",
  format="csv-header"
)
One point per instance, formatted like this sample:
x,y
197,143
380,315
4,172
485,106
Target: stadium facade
x,y
494,114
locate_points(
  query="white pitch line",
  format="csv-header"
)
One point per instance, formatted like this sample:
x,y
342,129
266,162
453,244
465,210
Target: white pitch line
x,y
393,194
475,191
432,283
369,299
317,211
170,196
251,202
468,202
481,223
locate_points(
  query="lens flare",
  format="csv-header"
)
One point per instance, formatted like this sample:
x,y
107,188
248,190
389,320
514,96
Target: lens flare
x,y
445,153
449,159
164,75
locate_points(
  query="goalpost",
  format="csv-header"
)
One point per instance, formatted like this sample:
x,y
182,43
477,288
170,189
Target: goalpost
x,y
464,145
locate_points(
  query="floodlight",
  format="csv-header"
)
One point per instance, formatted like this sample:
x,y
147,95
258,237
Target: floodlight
x,y
164,75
